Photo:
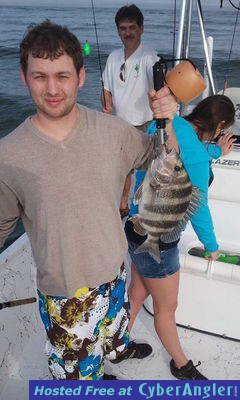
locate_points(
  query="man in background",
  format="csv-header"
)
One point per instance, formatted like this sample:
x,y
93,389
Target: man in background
x,y
128,77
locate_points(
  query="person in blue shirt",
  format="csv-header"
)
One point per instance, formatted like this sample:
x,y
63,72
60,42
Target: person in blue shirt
x,y
194,134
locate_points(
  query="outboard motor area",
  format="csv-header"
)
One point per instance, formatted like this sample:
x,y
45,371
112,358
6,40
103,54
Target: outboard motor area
x,y
226,171
209,294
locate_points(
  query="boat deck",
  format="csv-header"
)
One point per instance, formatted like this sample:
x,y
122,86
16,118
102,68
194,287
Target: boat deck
x,y
22,338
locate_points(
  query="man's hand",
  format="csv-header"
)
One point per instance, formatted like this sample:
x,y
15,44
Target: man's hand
x,y
163,103
106,100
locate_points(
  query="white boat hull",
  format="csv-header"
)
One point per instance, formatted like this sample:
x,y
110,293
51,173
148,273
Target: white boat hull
x,y
210,291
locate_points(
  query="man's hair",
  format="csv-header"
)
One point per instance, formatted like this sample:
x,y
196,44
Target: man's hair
x,y
49,40
132,13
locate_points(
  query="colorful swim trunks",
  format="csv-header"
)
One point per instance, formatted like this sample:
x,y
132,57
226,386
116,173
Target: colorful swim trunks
x,y
86,329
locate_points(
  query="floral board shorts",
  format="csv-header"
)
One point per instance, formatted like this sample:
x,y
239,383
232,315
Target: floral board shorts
x,y
84,330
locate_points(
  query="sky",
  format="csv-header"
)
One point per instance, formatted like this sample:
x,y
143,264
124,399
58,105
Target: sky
x,y
72,2
97,2
206,4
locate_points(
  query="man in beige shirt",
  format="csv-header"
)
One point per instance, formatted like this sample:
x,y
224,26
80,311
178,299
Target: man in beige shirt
x,y
58,170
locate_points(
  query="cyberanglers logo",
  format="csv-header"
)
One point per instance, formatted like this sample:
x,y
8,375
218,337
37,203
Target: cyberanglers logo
x,y
186,390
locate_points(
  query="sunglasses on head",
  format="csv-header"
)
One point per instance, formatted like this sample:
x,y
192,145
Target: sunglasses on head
x,y
122,74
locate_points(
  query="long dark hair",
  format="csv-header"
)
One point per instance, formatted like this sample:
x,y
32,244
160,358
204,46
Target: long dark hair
x,y
207,115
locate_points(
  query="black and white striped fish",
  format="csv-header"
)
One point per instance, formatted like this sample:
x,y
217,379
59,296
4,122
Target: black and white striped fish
x,y
166,201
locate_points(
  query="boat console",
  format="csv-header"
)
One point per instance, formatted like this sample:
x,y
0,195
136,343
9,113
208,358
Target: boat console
x,y
209,294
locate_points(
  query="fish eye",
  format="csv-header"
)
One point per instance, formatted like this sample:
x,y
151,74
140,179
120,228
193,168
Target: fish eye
x,y
177,168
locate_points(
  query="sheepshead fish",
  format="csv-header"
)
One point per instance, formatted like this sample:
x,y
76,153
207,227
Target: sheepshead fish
x,y
166,199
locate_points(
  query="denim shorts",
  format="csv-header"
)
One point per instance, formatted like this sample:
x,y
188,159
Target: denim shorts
x,y
149,268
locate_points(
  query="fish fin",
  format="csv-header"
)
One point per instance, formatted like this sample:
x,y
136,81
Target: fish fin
x,y
152,248
174,235
195,203
197,194
137,227
138,195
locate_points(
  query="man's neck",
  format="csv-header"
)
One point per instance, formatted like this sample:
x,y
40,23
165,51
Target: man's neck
x,y
128,51
57,128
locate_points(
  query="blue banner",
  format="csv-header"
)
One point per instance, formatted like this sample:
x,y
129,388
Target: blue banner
x,y
134,390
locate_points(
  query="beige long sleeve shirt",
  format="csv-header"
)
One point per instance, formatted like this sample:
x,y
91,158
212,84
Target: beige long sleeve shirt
x,y
68,196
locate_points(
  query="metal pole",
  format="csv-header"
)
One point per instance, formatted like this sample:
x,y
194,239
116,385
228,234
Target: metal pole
x,y
189,25
205,74
181,29
185,109
205,46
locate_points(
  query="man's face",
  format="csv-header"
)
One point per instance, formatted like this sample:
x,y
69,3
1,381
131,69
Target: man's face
x,y
53,85
130,33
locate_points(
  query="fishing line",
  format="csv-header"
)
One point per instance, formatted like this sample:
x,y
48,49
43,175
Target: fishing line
x,y
231,47
237,8
98,52
188,327
233,5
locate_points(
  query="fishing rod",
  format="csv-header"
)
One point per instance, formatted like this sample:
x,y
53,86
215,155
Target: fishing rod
x,y
15,303
98,52
158,81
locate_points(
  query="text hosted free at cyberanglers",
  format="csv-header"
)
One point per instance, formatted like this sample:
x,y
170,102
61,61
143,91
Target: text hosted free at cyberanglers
x,y
137,390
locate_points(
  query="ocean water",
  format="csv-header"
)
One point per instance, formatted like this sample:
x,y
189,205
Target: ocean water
x,y
15,103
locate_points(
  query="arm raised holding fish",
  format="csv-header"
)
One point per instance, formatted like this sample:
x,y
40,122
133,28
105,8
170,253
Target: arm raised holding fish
x,y
164,105
166,198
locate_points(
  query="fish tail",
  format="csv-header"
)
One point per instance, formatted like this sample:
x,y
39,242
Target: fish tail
x,y
152,248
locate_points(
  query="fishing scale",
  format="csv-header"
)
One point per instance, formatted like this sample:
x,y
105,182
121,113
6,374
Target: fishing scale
x,y
184,81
